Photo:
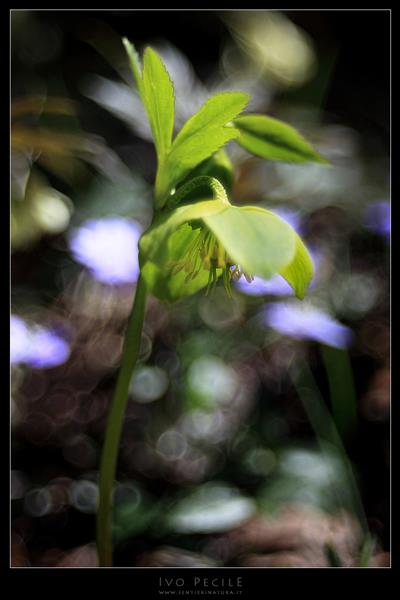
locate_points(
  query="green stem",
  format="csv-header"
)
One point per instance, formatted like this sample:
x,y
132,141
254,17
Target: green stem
x,y
114,427
159,187
328,436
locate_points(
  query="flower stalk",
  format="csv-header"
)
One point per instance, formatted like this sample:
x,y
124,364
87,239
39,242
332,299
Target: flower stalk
x,y
119,402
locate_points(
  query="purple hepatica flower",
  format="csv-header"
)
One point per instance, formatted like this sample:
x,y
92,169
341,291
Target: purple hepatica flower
x,y
19,340
304,322
276,286
290,216
109,248
377,218
38,347
47,349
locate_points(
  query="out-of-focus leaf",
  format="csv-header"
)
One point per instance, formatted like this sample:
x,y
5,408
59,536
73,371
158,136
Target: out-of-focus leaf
x,y
328,438
42,210
306,476
274,140
332,556
38,104
121,100
367,550
130,199
211,508
341,388
48,140
131,520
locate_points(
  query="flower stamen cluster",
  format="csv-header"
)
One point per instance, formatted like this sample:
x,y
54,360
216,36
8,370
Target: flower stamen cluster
x,y
206,252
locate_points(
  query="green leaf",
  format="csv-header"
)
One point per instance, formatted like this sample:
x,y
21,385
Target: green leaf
x,y
299,272
274,140
134,62
157,93
256,239
202,135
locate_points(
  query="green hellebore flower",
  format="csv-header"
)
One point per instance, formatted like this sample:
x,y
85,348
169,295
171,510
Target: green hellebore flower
x,y
192,246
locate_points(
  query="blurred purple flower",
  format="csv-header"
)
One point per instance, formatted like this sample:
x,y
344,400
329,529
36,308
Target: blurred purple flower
x,y
304,322
289,215
48,349
109,248
19,336
276,286
376,218
35,346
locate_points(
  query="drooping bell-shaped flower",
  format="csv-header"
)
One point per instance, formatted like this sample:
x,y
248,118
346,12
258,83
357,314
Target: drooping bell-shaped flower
x,y
195,245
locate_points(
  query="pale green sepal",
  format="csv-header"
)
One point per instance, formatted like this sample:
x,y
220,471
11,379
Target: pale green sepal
x,y
256,239
166,223
300,271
